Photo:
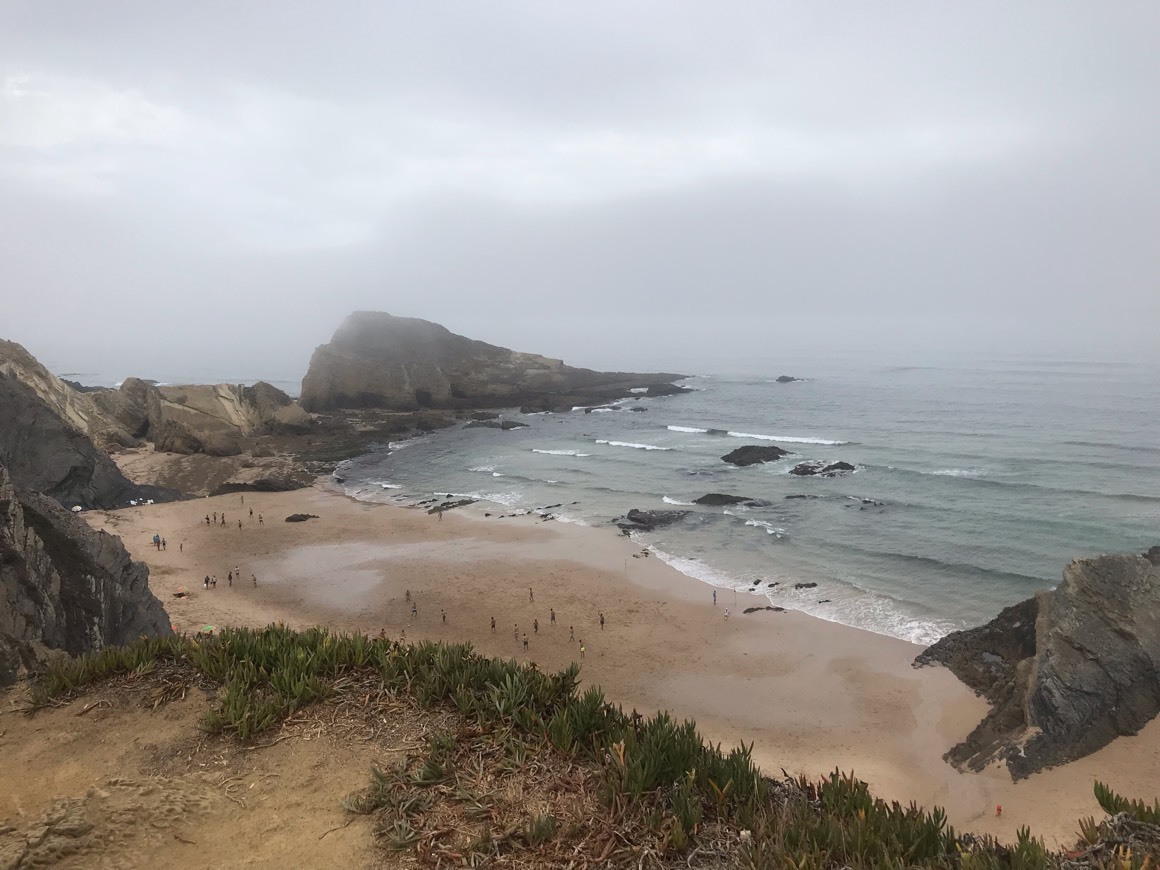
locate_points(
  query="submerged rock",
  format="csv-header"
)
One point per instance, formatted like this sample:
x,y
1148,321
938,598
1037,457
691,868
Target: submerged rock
x,y
1067,671
646,521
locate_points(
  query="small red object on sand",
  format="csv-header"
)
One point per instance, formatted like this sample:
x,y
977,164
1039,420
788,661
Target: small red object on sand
x,y
998,809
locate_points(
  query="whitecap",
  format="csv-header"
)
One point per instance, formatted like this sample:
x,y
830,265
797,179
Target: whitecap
x,y
668,500
631,444
639,390
390,486
560,452
483,469
958,472
770,528
789,439
690,429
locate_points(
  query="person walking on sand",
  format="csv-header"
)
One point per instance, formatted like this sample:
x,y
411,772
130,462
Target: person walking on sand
x,y
181,546
239,524
164,545
571,633
602,620
581,649
714,597
516,630
493,625
213,581
552,616
207,519
407,595
215,518
726,614
243,499
443,614
207,581
414,611
254,577
259,519
230,578
535,626
223,519
525,643
251,513
531,596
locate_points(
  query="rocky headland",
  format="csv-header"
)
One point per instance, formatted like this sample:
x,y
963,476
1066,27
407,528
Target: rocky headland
x,y
376,360
1067,671
64,586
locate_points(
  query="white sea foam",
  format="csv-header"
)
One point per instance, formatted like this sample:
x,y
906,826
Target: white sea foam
x,y
631,444
390,486
639,390
560,452
770,528
399,445
507,499
668,500
483,469
686,429
959,472
789,439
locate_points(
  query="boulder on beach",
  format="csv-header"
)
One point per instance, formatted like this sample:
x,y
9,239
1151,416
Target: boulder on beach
x,y
301,518
821,469
753,454
1067,671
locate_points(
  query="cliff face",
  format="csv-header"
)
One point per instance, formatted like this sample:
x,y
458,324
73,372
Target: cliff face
x,y
376,360
1067,671
180,419
64,586
46,454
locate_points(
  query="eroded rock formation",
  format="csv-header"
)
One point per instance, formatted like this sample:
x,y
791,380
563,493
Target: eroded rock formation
x,y
376,360
753,454
1067,671
64,586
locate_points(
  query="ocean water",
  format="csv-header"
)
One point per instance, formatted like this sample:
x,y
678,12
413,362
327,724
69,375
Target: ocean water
x,y
991,477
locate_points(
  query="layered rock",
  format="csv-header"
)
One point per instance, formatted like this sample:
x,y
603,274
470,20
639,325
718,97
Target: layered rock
x,y
64,586
821,469
1066,671
49,454
376,360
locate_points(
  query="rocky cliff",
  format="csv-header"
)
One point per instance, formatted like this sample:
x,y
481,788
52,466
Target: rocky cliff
x,y
64,586
376,360
211,419
46,453
1067,671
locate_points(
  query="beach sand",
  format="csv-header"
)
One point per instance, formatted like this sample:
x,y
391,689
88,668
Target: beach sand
x,y
810,695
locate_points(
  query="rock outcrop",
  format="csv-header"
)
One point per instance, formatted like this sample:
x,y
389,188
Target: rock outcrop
x,y
646,521
821,469
376,360
48,454
64,586
753,454
1067,671
718,499
211,419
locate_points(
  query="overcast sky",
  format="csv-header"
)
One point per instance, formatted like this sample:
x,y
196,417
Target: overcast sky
x,y
212,186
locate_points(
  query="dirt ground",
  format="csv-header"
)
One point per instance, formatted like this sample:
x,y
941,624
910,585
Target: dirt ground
x,y
109,780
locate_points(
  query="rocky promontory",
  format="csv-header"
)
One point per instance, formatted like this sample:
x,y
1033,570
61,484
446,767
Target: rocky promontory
x,y
376,360
63,585
1067,671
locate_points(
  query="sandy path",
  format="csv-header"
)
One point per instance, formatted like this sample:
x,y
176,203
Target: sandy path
x,y
810,694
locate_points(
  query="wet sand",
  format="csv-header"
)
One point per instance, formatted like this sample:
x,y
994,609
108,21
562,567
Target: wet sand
x,y
810,695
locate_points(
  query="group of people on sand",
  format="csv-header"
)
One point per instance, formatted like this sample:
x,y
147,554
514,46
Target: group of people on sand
x,y
211,580
212,519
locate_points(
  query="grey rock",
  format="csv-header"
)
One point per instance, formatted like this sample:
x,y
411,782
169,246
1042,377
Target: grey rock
x,y
1067,671
821,469
647,521
64,586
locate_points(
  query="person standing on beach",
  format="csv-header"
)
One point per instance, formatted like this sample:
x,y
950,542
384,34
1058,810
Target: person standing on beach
x,y
443,614
726,614
207,519
571,633
259,519
239,524
525,643
531,596
223,519
535,626
213,581
552,616
414,611
581,649
207,581
493,625
243,499
602,620
251,513
215,518
164,546
516,630
714,597
230,578
254,577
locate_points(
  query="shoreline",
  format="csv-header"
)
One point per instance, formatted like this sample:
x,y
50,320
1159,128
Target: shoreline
x,y
811,695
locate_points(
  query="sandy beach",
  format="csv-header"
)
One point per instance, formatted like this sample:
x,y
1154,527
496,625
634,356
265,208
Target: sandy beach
x,y
809,694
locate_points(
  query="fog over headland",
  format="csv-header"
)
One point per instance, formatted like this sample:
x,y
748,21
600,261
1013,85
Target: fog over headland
x,y
214,186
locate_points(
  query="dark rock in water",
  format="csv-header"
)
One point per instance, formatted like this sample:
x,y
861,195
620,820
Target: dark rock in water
x,y
824,600
495,424
1067,671
301,518
646,521
484,415
805,585
638,408
786,379
821,469
801,495
64,586
717,499
767,607
666,390
752,454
